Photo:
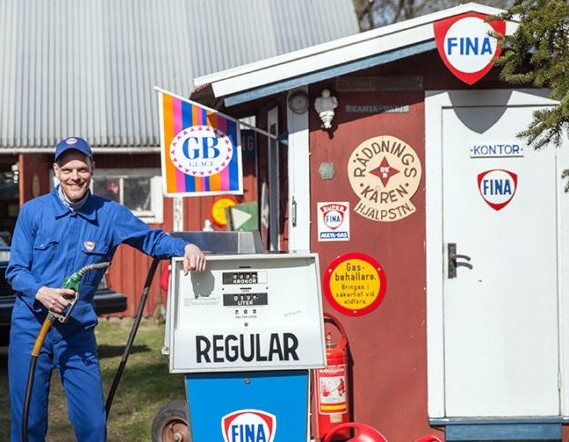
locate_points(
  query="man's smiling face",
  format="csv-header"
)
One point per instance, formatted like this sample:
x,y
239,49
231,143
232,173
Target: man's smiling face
x,y
74,171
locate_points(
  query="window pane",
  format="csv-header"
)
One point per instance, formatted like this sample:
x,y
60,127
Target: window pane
x,y
137,193
107,188
138,189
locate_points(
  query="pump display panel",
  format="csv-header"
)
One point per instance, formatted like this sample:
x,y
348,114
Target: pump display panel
x,y
247,312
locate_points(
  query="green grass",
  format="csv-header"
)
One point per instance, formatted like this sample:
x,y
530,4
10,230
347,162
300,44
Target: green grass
x,y
146,385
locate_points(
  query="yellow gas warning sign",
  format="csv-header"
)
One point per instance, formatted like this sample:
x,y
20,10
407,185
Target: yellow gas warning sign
x,y
354,284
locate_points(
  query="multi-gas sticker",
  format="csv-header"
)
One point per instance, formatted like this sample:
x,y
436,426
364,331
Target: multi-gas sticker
x,y
497,187
384,173
467,46
333,221
249,426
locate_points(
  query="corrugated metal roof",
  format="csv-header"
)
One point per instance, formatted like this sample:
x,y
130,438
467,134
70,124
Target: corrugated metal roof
x,y
89,67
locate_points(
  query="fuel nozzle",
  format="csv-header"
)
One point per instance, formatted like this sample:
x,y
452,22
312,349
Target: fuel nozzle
x,y
72,282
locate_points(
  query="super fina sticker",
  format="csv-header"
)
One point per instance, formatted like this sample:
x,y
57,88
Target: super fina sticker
x,y
384,173
249,425
333,221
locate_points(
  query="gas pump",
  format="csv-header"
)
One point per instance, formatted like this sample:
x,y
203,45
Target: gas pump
x,y
245,334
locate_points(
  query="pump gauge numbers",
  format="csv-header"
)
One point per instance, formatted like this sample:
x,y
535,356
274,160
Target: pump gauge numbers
x,y
244,278
245,299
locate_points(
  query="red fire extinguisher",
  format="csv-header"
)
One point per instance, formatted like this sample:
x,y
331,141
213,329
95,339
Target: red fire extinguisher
x,y
331,395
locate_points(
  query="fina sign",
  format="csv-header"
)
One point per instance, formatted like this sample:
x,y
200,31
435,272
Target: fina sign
x,y
466,45
249,425
497,187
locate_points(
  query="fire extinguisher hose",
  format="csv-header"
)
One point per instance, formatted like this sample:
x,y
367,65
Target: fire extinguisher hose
x,y
328,317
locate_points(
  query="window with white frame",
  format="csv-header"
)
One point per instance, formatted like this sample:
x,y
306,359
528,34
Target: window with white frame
x,y
140,190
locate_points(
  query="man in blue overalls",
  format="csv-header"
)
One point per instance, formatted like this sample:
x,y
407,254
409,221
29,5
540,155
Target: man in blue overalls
x,y
55,235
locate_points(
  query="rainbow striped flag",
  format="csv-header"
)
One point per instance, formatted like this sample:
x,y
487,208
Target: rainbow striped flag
x,y
200,149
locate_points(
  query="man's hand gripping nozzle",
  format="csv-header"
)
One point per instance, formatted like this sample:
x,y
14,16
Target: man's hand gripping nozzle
x,y
72,282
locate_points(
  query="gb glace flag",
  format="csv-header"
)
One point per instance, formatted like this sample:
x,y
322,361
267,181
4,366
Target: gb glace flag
x,y
200,149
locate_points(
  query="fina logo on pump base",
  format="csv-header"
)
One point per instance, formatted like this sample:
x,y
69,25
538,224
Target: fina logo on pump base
x,y
466,45
249,426
497,187
201,151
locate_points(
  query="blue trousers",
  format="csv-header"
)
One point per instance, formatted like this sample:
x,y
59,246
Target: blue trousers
x,y
75,358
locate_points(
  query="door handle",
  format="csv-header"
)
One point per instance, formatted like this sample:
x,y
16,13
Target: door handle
x,y
453,262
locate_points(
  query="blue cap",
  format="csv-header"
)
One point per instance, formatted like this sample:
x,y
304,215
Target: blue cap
x,y
73,143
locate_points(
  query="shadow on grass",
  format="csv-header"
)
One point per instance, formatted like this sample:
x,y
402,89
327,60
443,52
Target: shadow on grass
x,y
143,384
111,351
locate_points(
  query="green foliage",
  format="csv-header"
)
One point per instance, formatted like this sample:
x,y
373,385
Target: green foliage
x,y
537,55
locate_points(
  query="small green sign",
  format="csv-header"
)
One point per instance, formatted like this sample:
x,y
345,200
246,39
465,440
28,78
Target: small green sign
x,y
243,217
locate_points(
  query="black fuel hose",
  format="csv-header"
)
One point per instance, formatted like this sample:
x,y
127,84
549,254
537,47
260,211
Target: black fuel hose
x,y
133,331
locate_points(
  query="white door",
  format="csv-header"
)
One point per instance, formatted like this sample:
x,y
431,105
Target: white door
x,y
499,207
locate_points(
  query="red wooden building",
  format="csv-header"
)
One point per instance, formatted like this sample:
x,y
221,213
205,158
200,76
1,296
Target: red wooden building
x,y
441,234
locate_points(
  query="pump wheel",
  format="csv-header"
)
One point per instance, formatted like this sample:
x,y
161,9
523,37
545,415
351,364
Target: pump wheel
x,y
171,423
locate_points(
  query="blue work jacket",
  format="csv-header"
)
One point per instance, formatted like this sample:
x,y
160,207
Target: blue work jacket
x,y
51,242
